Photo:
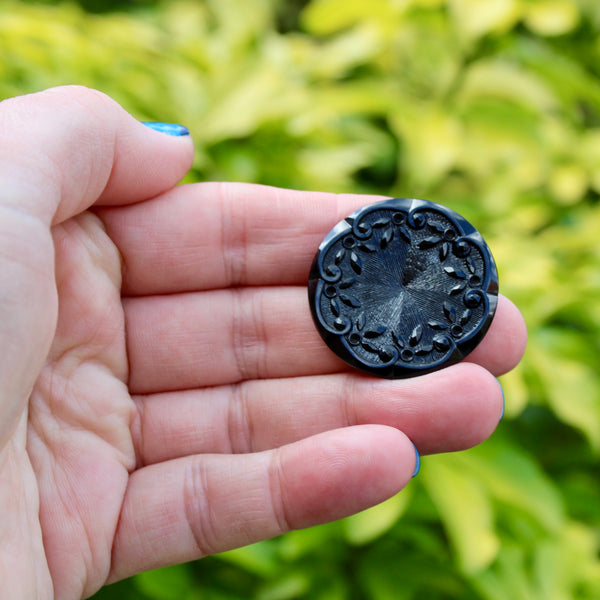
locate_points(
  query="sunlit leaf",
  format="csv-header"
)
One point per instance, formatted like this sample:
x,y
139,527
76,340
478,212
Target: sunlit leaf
x,y
466,510
369,524
552,17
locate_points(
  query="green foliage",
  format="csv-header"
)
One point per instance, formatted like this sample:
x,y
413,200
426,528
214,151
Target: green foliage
x,y
491,107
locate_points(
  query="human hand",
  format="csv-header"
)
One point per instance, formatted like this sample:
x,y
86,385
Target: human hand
x,y
164,394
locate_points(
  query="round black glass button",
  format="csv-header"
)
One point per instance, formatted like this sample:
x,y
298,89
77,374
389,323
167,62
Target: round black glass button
x,y
403,287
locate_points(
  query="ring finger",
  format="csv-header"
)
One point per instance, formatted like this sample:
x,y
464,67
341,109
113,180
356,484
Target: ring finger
x,y
440,412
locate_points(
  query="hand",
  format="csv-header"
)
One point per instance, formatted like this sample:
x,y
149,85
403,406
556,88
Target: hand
x,y
164,394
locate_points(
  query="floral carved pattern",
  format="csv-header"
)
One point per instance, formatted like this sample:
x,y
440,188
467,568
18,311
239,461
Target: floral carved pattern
x,y
404,284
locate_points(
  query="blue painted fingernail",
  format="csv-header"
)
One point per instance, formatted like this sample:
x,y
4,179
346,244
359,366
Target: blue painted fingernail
x,y
417,463
503,401
171,129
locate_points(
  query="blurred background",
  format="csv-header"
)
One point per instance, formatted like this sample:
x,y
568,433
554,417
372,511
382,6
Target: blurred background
x,y
489,106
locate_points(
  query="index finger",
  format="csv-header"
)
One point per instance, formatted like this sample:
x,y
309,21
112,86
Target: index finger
x,y
215,235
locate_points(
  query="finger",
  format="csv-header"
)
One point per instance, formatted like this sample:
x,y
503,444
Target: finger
x,y
509,332
224,336
214,235
192,340
188,508
444,411
66,148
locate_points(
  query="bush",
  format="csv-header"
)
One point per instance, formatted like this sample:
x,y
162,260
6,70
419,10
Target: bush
x,y
492,108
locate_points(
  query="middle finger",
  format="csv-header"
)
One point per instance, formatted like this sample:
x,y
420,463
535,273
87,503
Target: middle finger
x,y
220,337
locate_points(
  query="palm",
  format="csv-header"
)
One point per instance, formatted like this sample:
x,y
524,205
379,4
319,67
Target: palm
x,y
79,439
180,400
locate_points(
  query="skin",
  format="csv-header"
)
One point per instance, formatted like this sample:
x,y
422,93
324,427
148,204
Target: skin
x,y
163,392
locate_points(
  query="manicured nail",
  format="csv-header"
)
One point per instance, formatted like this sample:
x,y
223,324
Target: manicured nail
x,y
418,462
169,128
503,401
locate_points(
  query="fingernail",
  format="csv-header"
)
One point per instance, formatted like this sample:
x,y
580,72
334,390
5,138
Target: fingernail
x,y
171,129
417,463
503,401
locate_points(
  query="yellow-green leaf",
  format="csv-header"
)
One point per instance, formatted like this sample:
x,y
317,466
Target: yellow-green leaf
x,y
369,524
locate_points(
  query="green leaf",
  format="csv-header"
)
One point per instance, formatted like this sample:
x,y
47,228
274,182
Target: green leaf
x,y
515,479
372,523
501,79
574,395
329,16
286,587
573,391
552,17
171,583
260,559
466,511
474,18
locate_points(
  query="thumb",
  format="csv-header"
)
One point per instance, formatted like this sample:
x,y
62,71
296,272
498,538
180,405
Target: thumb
x,y
62,151
65,148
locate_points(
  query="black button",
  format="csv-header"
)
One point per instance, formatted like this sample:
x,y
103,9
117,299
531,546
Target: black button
x,y
403,287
